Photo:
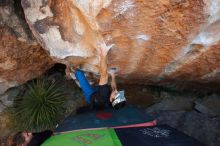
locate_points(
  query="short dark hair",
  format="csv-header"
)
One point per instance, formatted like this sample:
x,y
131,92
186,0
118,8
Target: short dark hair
x,y
18,139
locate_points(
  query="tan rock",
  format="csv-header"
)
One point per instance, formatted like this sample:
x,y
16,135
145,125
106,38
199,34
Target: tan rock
x,y
21,58
19,61
165,41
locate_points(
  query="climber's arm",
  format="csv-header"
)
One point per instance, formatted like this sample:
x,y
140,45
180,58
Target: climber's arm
x,y
103,52
103,69
113,82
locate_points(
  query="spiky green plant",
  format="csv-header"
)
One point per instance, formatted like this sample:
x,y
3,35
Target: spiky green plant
x,y
41,106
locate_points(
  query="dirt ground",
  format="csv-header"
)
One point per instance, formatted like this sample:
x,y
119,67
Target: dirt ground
x,y
137,95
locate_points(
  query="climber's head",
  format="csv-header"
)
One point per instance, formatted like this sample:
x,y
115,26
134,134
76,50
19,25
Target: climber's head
x,y
21,138
117,99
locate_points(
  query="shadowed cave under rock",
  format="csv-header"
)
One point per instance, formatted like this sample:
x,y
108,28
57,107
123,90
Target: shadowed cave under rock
x,y
167,53
194,113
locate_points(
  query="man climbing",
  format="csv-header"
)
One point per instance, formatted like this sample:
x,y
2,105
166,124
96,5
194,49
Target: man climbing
x,y
103,95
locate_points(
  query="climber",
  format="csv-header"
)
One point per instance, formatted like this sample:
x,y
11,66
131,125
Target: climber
x,y
103,95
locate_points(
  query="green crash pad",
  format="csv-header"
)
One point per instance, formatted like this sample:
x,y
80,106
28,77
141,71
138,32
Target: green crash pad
x,y
101,137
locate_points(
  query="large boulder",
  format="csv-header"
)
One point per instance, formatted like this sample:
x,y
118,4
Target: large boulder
x,y
19,61
173,103
21,58
163,41
209,105
195,124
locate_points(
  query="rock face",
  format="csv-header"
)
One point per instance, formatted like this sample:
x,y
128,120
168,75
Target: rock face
x,y
159,41
197,125
173,103
197,117
209,105
20,61
21,58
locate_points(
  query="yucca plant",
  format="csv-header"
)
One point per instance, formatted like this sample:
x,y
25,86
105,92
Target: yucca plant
x,y
41,106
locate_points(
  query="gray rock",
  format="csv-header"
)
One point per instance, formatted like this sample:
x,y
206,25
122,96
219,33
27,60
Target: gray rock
x,y
164,94
73,93
2,107
144,90
192,123
74,97
209,105
7,98
3,87
173,103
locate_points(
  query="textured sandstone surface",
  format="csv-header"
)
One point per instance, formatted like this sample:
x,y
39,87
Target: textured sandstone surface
x,y
21,58
153,41
19,61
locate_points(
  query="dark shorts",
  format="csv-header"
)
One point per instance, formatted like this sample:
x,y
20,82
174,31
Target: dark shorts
x,y
101,92
102,95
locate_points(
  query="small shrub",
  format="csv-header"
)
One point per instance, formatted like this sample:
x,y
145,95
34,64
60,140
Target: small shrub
x,y
41,107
